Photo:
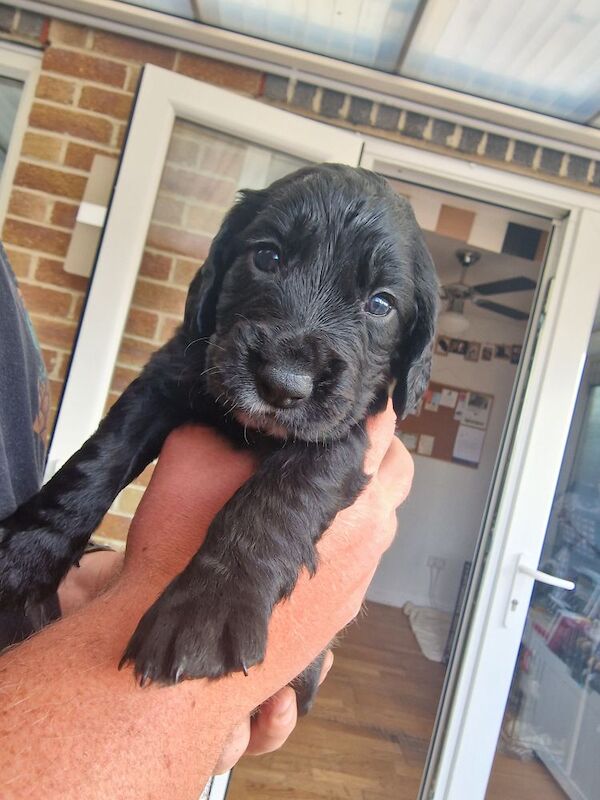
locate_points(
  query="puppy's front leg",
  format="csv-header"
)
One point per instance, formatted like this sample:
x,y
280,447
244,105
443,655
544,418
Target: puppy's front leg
x,y
45,535
212,619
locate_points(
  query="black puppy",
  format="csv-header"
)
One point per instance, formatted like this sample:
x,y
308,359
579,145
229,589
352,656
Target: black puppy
x,y
317,293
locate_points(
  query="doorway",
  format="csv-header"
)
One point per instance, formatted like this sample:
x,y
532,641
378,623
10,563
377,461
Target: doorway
x,y
369,733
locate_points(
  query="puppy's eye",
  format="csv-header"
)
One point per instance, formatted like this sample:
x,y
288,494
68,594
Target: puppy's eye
x,y
379,305
267,259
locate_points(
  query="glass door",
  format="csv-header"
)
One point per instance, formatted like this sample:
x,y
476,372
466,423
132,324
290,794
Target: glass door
x,y
550,736
189,148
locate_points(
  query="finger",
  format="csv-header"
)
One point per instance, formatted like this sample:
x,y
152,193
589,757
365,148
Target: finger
x,y
396,471
327,665
380,429
235,747
275,721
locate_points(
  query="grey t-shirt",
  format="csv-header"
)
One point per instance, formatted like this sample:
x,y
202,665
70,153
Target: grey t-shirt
x,y
24,399
24,404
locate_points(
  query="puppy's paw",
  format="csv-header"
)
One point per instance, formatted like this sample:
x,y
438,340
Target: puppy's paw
x,y
32,564
197,629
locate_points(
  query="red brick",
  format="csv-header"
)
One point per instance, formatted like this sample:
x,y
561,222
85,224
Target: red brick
x,y
182,151
114,527
115,104
54,332
85,67
133,79
41,300
168,327
64,214
80,156
45,148
52,271
66,33
77,307
122,377
133,49
168,210
159,297
56,388
52,359
28,205
52,181
177,241
61,370
55,89
141,323
36,237
144,478
155,266
20,262
134,352
195,185
219,159
75,123
120,136
231,76
185,271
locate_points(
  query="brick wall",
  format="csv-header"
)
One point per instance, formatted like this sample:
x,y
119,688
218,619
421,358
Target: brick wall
x,y
82,102
199,182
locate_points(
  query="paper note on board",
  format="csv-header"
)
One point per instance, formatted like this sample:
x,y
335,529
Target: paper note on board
x,y
477,410
409,440
448,398
468,444
425,447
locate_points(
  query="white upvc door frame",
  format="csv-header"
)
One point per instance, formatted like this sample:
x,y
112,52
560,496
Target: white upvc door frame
x,y
22,64
530,460
163,96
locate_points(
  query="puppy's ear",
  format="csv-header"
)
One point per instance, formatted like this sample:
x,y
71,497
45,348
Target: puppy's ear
x,y
411,366
203,294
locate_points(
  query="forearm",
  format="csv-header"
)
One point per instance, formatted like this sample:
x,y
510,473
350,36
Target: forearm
x,y
73,726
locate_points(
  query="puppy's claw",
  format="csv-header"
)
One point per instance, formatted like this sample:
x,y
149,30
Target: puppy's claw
x,y
123,662
145,679
244,668
179,674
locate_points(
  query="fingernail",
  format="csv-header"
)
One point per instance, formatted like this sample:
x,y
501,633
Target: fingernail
x,y
285,707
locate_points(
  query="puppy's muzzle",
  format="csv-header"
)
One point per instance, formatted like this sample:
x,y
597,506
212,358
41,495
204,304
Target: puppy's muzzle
x,y
282,385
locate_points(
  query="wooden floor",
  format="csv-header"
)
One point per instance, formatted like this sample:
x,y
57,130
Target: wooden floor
x,y
368,734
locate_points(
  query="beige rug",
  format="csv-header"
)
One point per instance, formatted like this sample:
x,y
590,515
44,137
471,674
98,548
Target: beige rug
x,y
430,627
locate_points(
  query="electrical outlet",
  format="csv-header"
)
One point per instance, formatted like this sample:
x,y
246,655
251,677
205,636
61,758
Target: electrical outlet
x,y
436,562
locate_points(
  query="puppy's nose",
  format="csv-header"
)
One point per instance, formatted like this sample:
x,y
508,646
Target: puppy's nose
x,y
281,386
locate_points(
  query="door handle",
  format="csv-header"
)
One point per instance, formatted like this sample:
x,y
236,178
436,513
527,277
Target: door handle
x,y
523,570
543,577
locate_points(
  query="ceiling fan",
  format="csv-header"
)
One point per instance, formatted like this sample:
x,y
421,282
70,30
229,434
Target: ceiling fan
x,y
453,319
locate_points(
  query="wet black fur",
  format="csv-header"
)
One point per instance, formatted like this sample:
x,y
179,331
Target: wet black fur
x,y
343,235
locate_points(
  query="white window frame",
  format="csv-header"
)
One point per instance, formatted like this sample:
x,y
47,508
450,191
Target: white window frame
x,y
22,64
163,96
462,755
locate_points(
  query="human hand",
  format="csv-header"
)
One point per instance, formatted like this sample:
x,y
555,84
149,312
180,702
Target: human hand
x,y
268,729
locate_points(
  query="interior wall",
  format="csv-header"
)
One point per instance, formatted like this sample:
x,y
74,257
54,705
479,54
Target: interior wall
x,y
443,512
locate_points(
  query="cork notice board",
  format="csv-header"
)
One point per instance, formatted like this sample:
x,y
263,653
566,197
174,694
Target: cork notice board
x,y
450,424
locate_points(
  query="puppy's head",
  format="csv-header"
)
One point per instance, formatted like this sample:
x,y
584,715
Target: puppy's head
x,y
317,293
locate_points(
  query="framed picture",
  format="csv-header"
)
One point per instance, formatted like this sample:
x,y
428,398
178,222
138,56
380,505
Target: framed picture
x,y
458,346
487,352
515,354
502,351
473,351
442,346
